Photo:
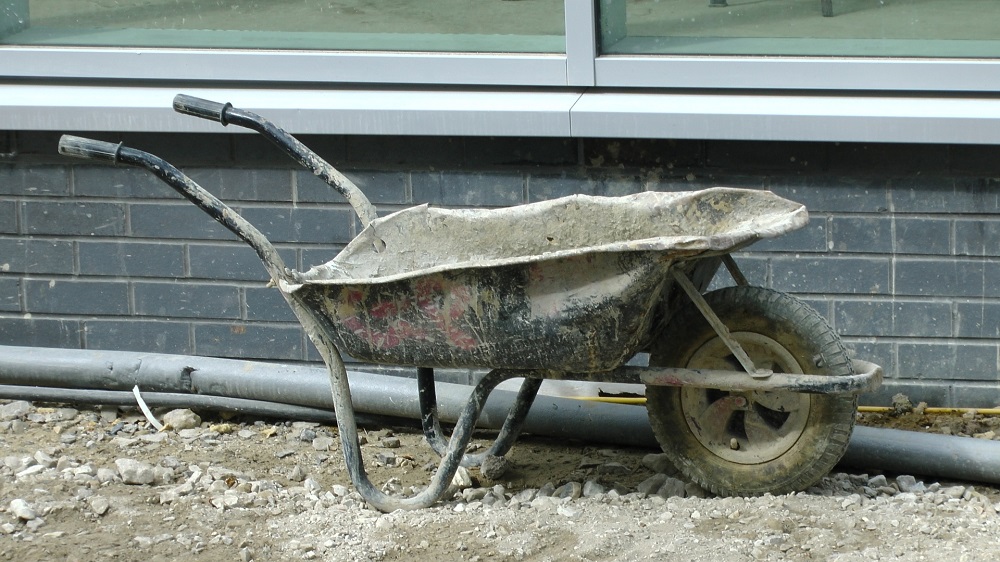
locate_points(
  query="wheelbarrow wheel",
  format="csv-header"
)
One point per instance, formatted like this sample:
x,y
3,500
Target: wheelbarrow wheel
x,y
750,443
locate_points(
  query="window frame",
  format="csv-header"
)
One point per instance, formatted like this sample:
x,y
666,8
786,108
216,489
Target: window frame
x,y
579,93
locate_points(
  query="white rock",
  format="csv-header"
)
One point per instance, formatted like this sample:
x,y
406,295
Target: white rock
x,y
135,472
105,475
181,419
462,479
14,410
44,459
99,505
20,509
567,511
312,486
31,470
322,443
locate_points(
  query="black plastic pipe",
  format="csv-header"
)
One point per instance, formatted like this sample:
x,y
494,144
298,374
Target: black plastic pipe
x,y
303,392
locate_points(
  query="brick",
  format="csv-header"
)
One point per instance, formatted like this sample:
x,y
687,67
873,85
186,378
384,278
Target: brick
x,y
266,304
616,186
810,238
187,300
10,294
76,297
131,259
944,195
318,256
893,318
830,274
183,150
932,392
141,335
76,219
923,236
469,189
36,256
439,152
184,220
231,262
249,341
784,156
511,151
8,217
834,194
40,332
697,181
309,225
888,158
332,148
946,277
46,181
977,320
542,188
867,234
753,266
976,160
38,143
119,183
235,184
386,188
643,152
977,237
973,395
954,360
259,151
881,353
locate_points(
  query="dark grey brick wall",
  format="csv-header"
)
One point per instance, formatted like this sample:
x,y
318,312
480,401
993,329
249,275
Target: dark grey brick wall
x,y
902,254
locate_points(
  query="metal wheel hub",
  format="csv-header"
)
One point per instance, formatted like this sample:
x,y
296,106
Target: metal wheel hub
x,y
745,427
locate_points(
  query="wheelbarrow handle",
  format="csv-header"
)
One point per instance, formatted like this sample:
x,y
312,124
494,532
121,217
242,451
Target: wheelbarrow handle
x,y
89,149
226,114
211,110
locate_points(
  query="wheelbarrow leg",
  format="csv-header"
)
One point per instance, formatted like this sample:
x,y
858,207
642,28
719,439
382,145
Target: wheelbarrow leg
x,y
348,428
511,428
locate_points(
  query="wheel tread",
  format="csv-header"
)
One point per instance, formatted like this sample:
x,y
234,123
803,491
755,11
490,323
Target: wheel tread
x,y
787,311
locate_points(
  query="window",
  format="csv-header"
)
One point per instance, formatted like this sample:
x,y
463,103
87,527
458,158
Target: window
x,y
338,25
844,70
843,28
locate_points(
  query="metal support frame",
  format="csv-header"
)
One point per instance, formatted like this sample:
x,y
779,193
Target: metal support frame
x,y
734,270
718,326
509,432
868,377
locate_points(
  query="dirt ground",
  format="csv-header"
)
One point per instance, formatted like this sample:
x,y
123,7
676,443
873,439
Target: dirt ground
x,y
100,483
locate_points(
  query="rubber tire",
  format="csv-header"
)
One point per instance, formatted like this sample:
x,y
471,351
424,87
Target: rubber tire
x,y
817,349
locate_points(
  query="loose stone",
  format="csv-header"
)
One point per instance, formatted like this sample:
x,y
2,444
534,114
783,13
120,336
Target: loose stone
x,y
22,510
135,472
181,419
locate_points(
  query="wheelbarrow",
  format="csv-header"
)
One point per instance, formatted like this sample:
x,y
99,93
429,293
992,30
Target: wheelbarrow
x,y
749,390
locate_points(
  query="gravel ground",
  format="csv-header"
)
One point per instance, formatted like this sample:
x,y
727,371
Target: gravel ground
x,y
100,483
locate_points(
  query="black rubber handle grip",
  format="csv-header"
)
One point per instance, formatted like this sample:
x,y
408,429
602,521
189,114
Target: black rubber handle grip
x,y
89,149
211,110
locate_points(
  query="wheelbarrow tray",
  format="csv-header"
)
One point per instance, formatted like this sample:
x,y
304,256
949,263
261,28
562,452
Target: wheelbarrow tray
x,y
571,284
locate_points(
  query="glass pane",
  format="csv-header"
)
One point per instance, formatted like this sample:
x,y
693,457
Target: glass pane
x,y
853,28
532,26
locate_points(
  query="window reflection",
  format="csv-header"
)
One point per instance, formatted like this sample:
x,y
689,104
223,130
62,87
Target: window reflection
x,y
883,28
379,25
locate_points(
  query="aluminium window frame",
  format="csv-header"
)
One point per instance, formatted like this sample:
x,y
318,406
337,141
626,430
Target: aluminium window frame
x,y
579,93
